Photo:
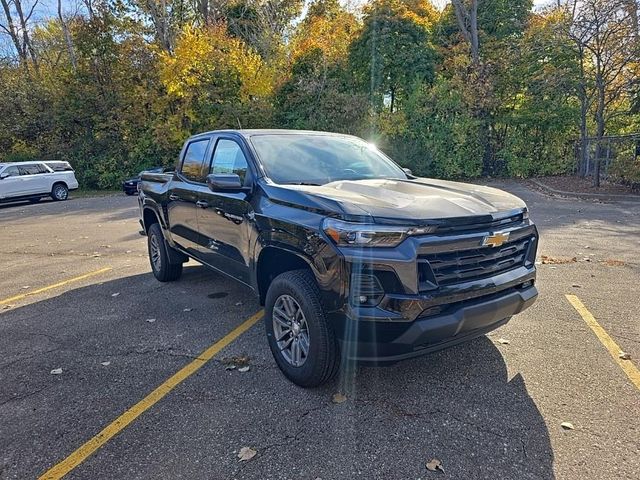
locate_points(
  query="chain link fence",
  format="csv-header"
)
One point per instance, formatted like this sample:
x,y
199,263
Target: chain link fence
x,y
619,157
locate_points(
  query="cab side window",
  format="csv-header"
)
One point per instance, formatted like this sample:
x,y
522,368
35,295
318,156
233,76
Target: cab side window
x,y
11,171
193,161
228,158
32,169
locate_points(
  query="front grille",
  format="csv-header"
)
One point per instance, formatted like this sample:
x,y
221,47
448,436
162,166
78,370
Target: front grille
x,y
471,225
448,268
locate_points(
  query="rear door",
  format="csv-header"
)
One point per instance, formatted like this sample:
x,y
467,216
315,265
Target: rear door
x,y
35,178
224,217
183,193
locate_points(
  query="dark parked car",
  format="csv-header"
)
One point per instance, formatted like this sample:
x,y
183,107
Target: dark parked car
x,y
130,185
352,256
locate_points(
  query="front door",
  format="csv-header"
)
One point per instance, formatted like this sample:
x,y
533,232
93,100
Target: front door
x,y
224,217
12,185
183,195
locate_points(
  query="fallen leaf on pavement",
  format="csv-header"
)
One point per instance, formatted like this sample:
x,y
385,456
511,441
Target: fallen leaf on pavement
x,y
339,398
115,294
26,287
151,320
230,367
105,364
56,371
434,465
575,285
613,263
567,425
244,369
547,260
238,304
246,454
504,341
624,356
187,309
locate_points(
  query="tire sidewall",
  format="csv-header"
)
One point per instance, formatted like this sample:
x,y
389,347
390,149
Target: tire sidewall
x,y
155,230
312,367
53,192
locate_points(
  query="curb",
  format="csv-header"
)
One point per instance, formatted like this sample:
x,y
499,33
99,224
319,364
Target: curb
x,y
593,196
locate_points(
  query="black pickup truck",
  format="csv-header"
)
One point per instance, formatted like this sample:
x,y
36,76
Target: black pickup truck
x,y
353,257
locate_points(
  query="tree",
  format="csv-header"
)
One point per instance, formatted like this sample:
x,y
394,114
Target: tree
x,y
319,93
467,18
604,32
392,52
16,25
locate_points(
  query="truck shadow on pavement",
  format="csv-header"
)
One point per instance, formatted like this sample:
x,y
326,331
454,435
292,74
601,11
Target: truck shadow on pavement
x,y
458,405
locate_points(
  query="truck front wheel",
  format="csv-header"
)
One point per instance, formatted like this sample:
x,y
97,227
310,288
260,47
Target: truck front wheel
x,y
302,342
161,266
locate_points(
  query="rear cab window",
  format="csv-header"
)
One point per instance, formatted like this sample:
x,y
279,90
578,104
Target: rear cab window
x,y
192,166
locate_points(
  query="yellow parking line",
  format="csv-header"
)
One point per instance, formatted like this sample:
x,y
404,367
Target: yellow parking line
x,y
55,285
120,423
626,365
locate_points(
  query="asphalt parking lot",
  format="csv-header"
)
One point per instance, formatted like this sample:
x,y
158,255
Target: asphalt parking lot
x,y
76,294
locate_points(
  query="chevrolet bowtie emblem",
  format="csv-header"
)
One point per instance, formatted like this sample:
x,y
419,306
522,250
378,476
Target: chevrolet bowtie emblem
x,y
495,239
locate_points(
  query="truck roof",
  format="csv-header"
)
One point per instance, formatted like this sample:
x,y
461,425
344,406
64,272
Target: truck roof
x,y
21,163
268,131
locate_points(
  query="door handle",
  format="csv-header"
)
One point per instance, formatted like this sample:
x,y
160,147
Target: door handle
x,y
173,197
202,204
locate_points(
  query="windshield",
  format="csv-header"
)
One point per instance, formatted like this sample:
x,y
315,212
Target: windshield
x,y
318,159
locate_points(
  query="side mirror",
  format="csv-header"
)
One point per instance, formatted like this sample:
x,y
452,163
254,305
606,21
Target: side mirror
x,y
224,182
408,171
3,176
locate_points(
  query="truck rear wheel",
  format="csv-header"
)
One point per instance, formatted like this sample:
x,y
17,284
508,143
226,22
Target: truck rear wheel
x,y
161,266
302,342
59,192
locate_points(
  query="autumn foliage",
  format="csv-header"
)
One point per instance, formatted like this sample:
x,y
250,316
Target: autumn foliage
x,y
118,88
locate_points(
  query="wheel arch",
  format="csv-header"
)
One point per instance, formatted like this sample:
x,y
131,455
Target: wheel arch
x,y
273,261
149,217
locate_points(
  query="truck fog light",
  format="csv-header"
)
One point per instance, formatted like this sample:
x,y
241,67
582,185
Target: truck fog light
x,y
365,290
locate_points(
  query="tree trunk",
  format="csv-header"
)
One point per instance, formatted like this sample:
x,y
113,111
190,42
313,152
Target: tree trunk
x,y
67,38
467,20
600,127
584,111
13,33
26,41
158,12
203,7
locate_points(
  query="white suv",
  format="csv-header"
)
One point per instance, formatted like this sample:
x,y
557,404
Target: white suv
x,y
34,180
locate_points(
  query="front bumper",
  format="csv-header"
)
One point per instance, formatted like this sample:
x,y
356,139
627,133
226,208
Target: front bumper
x,y
419,313
390,342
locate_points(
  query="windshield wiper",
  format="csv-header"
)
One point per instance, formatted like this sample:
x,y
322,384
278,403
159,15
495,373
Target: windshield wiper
x,y
304,183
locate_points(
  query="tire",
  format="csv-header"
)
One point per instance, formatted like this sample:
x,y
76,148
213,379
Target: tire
x,y
322,360
59,192
162,268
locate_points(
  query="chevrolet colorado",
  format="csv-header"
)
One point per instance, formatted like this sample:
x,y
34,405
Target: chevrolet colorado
x,y
352,256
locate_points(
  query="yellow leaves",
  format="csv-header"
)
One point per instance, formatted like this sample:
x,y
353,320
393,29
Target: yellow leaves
x,y
204,54
331,35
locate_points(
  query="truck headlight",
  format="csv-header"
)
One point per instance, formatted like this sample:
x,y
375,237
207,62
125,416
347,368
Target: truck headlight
x,y
349,234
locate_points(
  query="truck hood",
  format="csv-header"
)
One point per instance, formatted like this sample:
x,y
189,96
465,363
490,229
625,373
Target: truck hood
x,y
415,199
